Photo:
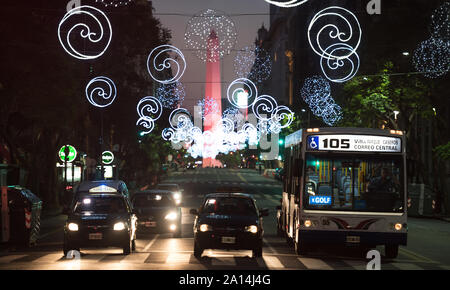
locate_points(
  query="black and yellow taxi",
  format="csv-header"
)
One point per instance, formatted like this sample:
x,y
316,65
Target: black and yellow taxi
x,y
157,211
100,220
228,221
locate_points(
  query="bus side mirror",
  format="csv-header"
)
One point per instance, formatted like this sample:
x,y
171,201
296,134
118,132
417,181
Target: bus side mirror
x,y
297,168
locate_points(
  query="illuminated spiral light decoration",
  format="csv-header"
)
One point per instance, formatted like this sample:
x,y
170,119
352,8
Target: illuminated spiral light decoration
x,y
85,32
149,110
270,115
287,4
199,29
316,92
241,89
440,22
101,92
432,57
171,95
115,3
166,64
336,45
253,63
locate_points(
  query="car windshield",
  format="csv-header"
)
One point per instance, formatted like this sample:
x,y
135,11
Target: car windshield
x,y
354,183
167,187
229,205
152,200
100,205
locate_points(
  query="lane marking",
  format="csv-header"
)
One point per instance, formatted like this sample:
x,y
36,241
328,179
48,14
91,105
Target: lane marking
x,y
406,266
151,243
416,256
270,262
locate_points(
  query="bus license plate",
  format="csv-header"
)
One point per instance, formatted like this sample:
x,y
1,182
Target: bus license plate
x,y
228,240
96,236
353,239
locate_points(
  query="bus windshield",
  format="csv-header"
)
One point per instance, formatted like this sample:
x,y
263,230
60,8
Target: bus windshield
x,y
353,183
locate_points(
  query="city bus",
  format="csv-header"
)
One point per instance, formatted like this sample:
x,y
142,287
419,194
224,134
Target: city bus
x,y
344,186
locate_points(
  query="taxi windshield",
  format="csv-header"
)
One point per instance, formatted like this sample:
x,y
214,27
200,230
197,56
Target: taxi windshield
x,y
100,205
152,200
229,205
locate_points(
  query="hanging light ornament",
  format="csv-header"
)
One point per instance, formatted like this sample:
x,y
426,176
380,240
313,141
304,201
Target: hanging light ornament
x,y
85,32
101,92
114,3
166,64
253,63
242,93
171,95
440,22
200,28
149,110
287,4
432,57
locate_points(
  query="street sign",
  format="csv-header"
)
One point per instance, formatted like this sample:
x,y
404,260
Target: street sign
x,y
107,157
71,156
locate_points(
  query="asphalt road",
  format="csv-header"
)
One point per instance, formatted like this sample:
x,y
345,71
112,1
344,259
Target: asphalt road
x,y
428,239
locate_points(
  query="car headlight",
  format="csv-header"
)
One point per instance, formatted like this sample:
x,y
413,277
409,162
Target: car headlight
x,y
120,226
252,229
177,195
73,227
205,228
171,216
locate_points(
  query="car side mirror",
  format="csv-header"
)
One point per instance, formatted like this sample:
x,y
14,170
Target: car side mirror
x,y
264,212
193,212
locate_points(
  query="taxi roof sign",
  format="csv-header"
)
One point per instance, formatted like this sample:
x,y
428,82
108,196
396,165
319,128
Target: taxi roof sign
x,y
103,188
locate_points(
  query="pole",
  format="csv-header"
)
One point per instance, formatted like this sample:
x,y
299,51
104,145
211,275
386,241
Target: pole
x,y
101,146
5,210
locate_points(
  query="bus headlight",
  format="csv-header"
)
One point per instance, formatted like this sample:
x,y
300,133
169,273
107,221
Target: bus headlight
x,y
205,228
120,226
252,229
307,223
398,226
73,227
171,216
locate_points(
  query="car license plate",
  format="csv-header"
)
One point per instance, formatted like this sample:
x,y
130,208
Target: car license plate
x,y
96,236
150,224
353,239
228,240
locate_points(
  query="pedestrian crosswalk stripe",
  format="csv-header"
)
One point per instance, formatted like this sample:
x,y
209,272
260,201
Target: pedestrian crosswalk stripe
x,y
406,266
315,264
50,258
178,258
137,258
224,261
357,265
270,262
445,267
10,258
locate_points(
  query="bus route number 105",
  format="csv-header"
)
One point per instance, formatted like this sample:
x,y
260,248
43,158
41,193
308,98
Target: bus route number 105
x,y
336,143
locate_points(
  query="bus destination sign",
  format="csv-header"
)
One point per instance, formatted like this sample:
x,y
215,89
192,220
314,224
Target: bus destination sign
x,y
358,143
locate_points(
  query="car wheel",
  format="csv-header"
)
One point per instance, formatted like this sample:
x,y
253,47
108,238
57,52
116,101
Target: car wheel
x,y
197,251
301,248
391,251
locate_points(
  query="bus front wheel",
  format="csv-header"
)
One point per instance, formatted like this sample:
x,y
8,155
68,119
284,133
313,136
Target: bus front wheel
x,y
391,251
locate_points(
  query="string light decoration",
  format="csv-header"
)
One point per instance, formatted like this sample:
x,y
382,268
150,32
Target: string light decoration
x,y
149,110
114,3
85,32
242,93
235,115
171,95
166,64
316,92
209,106
101,92
287,4
440,22
253,63
340,70
205,24
432,57
324,26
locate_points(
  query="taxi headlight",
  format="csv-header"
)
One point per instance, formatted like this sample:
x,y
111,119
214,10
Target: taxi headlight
x,y
205,228
120,226
73,227
252,229
171,216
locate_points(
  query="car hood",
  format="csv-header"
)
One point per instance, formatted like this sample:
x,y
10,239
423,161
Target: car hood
x,y
97,219
224,220
155,211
